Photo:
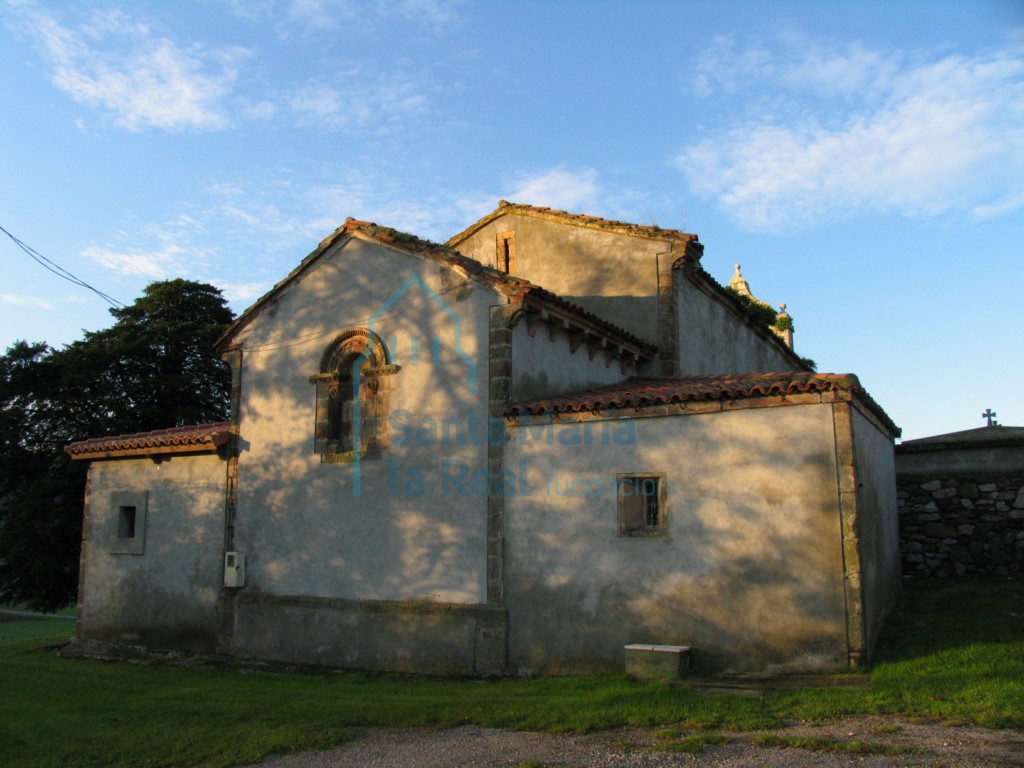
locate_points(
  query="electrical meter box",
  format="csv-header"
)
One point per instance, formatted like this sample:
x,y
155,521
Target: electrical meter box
x,y
234,569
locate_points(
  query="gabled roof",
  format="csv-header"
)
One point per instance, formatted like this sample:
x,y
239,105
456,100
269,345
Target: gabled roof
x,y
506,208
514,288
391,237
687,246
645,393
201,438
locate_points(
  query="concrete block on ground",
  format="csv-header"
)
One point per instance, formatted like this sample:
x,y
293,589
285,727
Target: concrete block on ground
x,y
657,661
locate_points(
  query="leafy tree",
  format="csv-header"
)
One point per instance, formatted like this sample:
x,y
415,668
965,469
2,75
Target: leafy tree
x,y
39,487
154,368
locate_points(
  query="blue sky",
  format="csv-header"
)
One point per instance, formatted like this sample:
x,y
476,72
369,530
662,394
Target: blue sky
x,y
864,161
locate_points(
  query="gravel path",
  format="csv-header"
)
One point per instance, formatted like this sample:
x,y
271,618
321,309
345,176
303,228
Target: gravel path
x,y
473,747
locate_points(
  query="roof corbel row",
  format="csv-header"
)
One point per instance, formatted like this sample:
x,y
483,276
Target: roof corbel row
x,y
581,332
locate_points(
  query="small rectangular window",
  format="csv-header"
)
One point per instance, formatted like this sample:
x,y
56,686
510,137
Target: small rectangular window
x,y
126,522
642,504
505,256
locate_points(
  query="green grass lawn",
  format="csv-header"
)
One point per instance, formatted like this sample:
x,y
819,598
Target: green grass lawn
x,y
954,652
12,631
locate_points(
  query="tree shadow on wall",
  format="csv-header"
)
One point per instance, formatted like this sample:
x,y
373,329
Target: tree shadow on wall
x,y
750,571
377,528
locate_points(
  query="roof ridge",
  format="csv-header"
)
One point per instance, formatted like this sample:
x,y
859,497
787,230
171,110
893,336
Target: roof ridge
x,y
966,437
186,428
652,231
510,286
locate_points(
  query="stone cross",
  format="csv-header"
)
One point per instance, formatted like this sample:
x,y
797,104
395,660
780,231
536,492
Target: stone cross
x,y
990,415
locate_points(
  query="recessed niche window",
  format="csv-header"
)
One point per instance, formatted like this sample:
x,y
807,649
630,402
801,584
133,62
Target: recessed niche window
x,y
505,252
352,397
127,524
642,501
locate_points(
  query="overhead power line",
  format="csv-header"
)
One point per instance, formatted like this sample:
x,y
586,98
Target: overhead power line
x,y
59,271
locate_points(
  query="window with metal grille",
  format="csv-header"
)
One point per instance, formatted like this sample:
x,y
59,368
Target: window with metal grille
x,y
642,504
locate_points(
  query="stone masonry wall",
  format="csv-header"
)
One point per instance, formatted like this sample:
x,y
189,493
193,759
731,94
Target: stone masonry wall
x,y
954,526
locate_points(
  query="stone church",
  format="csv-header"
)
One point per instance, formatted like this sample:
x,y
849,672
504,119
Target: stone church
x,y
516,453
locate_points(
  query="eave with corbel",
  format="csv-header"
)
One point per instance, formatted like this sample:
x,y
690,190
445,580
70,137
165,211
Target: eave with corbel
x,y
583,330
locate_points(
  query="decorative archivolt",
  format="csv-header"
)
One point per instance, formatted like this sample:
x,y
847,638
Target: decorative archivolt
x,y
352,399
351,345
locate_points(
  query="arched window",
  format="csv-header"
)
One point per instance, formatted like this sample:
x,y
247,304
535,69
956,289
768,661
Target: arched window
x,y
353,396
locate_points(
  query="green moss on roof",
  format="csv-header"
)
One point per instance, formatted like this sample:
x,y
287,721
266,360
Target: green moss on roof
x,y
389,233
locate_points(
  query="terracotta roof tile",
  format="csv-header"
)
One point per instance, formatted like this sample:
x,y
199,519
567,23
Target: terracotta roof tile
x,y
201,437
638,393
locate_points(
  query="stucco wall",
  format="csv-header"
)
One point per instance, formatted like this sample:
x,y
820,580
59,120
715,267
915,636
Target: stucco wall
x,y
389,529
878,523
165,597
714,340
412,637
614,276
749,573
544,368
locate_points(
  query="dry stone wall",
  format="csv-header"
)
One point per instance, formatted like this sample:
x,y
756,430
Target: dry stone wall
x,y
955,526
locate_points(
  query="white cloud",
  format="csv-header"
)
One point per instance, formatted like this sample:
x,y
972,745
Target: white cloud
x,y
278,218
242,294
376,198
575,191
258,110
250,10
938,138
1007,204
265,224
435,14
153,265
138,78
270,213
307,17
26,302
380,104
156,251
803,64
315,102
